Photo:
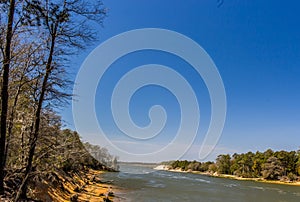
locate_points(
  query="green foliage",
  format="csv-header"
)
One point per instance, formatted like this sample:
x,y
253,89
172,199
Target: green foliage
x,y
37,38
292,177
284,165
183,165
191,165
298,166
223,164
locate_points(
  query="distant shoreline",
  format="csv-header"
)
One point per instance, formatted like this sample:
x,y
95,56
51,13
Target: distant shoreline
x,y
233,177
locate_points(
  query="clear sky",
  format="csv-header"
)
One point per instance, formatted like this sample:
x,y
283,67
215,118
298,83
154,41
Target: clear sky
x,y
256,48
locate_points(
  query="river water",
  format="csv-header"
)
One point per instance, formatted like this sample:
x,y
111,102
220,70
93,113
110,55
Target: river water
x,y
143,183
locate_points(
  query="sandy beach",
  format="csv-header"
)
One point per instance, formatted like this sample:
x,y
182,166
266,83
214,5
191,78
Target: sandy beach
x,y
234,177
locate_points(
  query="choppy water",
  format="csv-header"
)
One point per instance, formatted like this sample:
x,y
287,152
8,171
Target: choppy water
x,y
151,185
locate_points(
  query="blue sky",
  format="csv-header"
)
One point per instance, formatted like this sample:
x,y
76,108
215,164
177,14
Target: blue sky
x,y
256,48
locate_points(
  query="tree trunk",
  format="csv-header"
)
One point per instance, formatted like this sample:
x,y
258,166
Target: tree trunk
x,y
34,137
11,122
4,92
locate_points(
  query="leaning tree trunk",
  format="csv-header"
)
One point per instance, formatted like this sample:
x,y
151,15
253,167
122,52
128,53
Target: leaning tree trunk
x,y
11,121
34,136
4,92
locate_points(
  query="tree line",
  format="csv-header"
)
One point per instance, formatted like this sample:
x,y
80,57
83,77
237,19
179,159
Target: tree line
x,y
270,165
37,40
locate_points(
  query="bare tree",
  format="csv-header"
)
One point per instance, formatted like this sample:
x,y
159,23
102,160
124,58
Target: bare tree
x,y
25,59
4,90
66,26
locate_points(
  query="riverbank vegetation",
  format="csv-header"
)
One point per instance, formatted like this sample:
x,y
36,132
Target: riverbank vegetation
x,y
270,165
63,168
38,39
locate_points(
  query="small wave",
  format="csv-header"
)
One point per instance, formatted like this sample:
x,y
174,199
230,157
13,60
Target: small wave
x,y
162,174
123,175
281,192
296,193
273,189
256,187
180,177
190,178
153,183
230,185
201,180
157,185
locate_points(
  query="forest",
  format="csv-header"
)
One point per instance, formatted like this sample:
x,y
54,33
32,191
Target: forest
x,y
270,165
38,40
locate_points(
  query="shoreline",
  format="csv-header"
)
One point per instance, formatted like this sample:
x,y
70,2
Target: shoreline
x,y
87,186
233,177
